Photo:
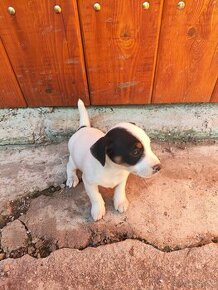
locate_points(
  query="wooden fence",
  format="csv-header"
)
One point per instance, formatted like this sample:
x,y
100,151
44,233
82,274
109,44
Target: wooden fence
x,y
110,52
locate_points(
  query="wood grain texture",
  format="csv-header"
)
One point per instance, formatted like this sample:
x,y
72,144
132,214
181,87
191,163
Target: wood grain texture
x,y
45,51
10,93
187,64
120,44
214,97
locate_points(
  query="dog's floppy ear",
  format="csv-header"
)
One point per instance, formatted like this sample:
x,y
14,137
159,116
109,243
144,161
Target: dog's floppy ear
x,y
98,150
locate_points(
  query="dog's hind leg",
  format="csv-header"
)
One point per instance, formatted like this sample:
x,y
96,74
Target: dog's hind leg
x,y
72,179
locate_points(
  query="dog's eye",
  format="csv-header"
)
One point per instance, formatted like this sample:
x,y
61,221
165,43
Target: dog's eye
x,y
136,152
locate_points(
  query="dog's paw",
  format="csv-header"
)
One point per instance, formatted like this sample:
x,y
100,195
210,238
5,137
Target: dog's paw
x,y
98,211
121,205
69,182
72,181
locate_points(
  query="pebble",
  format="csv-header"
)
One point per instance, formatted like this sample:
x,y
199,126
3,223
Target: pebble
x,y
2,256
6,268
31,250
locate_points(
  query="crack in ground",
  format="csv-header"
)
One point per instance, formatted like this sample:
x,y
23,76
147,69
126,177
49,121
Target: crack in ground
x,y
42,247
16,208
37,248
120,237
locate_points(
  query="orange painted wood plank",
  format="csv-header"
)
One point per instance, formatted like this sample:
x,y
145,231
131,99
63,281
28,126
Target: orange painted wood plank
x,y
45,51
214,97
120,44
10,93
187,65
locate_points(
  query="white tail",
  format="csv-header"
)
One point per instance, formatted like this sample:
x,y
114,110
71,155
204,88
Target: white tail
x,y
84,117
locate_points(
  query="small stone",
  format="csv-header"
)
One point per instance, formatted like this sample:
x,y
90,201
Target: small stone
x,y
31,250
34,241
39,244
62,186
14,236
53,247
6,268
2,256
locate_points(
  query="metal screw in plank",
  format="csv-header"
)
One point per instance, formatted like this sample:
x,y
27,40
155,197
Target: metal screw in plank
x,y
97,7
146,5
57,9
11,10
181,5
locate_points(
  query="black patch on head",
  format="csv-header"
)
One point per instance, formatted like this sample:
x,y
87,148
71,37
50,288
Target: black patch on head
x,y
98,150
120,146
123,147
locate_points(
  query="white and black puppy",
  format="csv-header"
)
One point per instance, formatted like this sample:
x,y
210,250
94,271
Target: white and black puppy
x,y
108,159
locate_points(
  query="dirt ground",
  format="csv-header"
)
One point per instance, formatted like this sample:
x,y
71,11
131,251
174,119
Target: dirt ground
x,y
167,239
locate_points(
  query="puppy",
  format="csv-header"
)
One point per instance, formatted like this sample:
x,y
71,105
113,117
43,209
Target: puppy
x,y
108,159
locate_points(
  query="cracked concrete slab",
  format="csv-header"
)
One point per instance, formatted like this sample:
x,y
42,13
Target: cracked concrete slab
x,y
175,209
174,212
125,265
13,236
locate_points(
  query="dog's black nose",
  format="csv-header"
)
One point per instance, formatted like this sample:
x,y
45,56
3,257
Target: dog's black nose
x,y
156,167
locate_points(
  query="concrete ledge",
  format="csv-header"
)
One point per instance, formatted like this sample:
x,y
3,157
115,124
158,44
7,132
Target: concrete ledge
x,y
46,125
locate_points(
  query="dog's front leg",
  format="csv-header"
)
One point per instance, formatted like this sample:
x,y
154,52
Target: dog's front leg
x,y
98,207
120,201
72,179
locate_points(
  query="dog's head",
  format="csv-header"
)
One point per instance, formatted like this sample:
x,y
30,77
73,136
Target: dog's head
x,y
127,146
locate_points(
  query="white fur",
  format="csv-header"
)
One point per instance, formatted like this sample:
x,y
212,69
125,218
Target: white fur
x,y
110,175
84,118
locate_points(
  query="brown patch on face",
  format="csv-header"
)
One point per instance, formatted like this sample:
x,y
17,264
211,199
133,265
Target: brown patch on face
x,y
138,145
118,159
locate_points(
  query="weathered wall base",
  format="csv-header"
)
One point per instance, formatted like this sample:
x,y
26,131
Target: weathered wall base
x,y
42,125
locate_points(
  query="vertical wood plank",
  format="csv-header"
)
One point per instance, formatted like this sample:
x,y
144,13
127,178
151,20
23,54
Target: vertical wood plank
x,y
214,97
10,93
187,65
120,48
45,51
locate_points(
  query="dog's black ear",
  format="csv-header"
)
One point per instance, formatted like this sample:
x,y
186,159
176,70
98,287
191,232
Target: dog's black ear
x,y
98,150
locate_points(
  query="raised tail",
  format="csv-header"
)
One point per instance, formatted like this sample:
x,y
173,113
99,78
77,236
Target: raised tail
x,y
84,117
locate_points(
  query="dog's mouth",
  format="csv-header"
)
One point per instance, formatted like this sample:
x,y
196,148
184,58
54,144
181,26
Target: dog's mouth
x,y
147,175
